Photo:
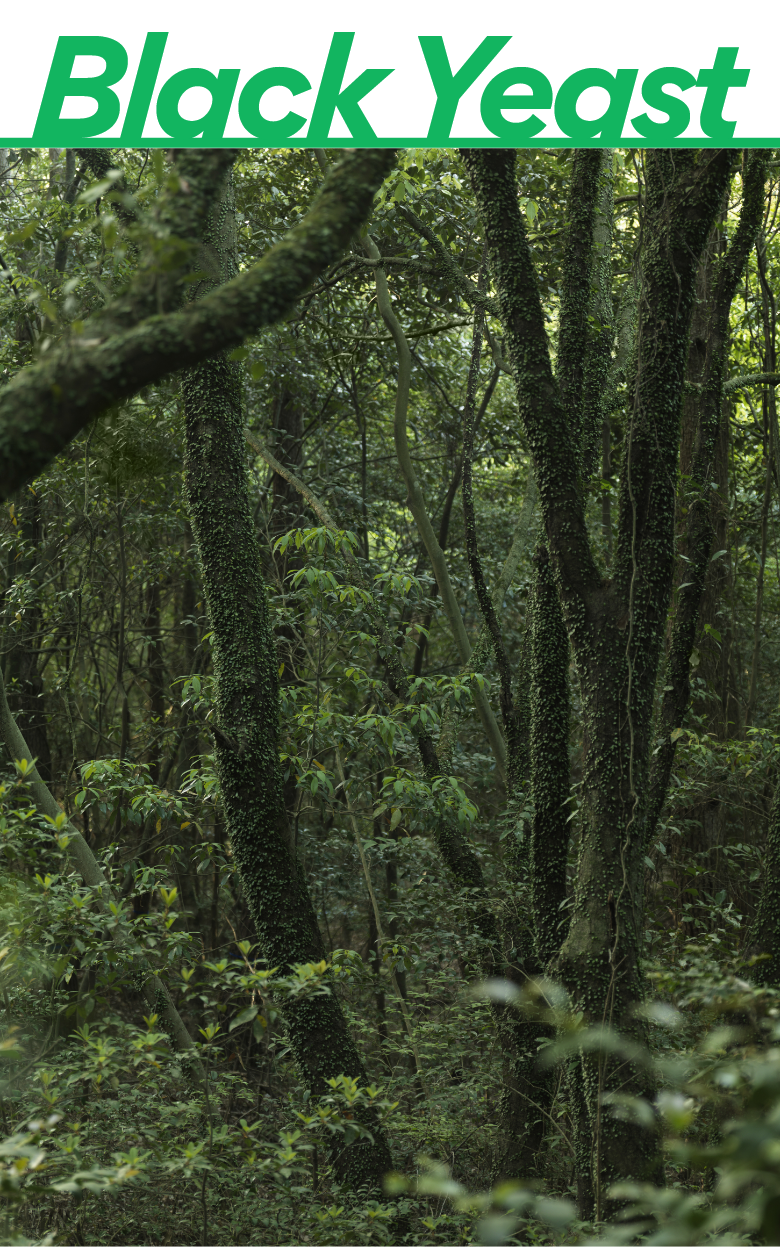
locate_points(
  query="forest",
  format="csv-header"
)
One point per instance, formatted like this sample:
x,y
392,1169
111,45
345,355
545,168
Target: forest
x,y
389,696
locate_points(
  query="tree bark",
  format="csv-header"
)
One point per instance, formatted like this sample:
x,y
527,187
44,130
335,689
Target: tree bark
x,y
615,626
698,531
247,703
764,935
549,749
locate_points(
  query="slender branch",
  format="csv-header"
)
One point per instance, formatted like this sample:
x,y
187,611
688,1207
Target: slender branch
x,y
378,920
444,524
458,279
475,563
394,261
376,341
481,651
397,678
416,503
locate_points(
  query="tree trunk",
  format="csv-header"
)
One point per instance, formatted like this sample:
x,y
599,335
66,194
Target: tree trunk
x,y
246,737
713,695
155,674
616,627
764,935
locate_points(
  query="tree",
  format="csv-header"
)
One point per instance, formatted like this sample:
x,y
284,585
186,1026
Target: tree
x,y
616,624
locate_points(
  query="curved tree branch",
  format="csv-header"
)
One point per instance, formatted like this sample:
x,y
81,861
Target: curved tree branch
x,y
46,405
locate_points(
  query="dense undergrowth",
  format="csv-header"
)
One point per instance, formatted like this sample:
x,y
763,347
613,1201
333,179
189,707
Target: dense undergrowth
x,y
109,1140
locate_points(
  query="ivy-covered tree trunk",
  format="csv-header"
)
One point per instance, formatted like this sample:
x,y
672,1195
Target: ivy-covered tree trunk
x,y
704,820
706,370
615,625
247,706
549,763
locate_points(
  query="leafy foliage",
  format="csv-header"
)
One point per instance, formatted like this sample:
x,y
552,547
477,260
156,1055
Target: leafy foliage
x,y
107,654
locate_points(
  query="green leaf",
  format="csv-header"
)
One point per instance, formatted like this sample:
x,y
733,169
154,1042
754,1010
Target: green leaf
x,y
21,235
246,1015
98,189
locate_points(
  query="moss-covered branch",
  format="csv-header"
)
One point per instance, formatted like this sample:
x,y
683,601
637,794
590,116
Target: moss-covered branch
x,y
750,378
556,457
596,391
46,405
549,749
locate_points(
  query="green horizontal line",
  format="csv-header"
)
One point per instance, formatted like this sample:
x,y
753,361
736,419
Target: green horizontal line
x,y
540,142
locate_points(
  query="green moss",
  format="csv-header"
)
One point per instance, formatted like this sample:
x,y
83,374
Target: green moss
x,y
549,762
575,338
